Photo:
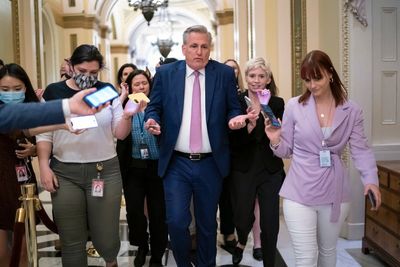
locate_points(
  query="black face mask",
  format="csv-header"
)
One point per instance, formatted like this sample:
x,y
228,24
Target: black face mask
x,y
85,81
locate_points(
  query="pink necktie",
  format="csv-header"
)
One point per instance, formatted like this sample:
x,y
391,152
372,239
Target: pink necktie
x,y
195,120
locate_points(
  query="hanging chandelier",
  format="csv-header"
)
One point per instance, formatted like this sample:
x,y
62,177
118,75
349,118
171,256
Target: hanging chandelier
x,y
164,39
164,46
148,7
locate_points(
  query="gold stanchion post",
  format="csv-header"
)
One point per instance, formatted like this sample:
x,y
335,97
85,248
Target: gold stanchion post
x,y
29,198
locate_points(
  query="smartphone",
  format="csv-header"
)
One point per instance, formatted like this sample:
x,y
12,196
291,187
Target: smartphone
x,y
267,111
248,101
83,122
101,96
137,97
372,199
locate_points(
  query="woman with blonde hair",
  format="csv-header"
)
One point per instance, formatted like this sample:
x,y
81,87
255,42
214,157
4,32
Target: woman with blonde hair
x,y
256,173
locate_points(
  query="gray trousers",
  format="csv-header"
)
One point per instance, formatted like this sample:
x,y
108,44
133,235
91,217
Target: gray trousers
x,y
77,212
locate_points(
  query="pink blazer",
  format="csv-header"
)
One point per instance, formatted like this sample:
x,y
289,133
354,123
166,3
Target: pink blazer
x,y
301,139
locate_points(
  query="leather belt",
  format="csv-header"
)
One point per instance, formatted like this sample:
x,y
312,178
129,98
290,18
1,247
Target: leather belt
x,y
193,156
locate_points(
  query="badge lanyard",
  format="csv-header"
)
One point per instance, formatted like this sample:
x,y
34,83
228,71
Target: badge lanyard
x,y
144,148
98,183
22,169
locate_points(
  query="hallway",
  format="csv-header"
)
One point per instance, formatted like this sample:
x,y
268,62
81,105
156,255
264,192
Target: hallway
x,y
349,252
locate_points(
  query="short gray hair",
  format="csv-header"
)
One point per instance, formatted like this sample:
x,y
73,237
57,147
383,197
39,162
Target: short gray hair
x,y
258,63
198,29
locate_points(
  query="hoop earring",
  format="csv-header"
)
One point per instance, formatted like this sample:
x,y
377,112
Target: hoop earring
x,y
331,80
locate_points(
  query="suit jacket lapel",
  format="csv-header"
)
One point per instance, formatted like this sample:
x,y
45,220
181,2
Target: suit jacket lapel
x,y
179,78
210,87
309,113
341,113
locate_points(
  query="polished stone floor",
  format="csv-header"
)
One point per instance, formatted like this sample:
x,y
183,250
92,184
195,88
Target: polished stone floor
x,y
349,252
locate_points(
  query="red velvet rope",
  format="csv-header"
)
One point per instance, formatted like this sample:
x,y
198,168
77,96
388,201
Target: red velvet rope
x,y
19,231
46,219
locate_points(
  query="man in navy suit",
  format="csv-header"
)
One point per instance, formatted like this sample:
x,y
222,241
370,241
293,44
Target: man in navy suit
x,y
194,166
28,115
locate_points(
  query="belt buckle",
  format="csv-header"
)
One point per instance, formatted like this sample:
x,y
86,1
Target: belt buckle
x,y
195,156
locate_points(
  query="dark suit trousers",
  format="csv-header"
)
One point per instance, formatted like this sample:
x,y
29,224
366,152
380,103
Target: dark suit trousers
x,y
201,179
226,225
245,188
142,182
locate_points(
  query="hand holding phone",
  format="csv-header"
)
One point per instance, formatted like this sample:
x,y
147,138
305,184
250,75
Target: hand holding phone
x,y
267,112
137,97
101,96
248,101
264,96
371,198
83,122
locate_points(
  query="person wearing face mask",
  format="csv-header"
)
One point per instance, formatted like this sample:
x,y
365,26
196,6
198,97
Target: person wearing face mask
x,y
142,183
255,172
81,163
16,151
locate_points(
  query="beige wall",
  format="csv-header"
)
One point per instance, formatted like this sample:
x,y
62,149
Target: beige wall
x,y
6,44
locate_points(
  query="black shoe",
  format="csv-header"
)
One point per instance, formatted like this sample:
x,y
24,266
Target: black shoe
x,y
155,262
237,255
140,258
257,254
230,243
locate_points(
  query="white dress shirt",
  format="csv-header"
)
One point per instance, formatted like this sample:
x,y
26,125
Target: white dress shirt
x,y
182,143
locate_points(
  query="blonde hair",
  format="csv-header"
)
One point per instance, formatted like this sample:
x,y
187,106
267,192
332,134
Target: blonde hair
x,y
258,62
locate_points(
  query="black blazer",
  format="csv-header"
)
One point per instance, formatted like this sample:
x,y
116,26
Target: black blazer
x,y
243,145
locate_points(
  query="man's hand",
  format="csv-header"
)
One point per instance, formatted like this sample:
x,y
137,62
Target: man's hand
x,y
152,127
78,106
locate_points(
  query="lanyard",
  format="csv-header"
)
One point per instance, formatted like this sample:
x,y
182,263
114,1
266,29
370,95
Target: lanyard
x,y
141,125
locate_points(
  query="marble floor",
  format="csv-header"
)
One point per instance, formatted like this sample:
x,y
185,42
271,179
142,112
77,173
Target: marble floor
x,y
349,252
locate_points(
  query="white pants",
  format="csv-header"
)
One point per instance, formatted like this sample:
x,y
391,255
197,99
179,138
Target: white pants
x,y
313,236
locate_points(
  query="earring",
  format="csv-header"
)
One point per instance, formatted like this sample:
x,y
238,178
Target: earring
x,y
331,80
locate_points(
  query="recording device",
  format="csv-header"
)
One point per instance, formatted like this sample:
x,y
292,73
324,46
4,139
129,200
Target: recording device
x,y
248,101
83,122
20,141
101,96
372,199
137,97
267,112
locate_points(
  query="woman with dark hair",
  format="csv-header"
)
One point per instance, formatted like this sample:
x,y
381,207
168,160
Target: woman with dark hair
x,y
122,74
124,146
16,151
142,182
316,128
81,162
256,173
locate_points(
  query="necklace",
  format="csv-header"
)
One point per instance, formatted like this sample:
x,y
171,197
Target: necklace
x,y
323,115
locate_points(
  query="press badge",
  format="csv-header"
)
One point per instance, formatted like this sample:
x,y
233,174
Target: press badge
x,y
98,183
144,151
22,173
97,187
324,158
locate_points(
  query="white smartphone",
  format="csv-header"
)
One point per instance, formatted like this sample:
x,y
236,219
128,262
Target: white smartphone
x,y
248,101
101,96
83,122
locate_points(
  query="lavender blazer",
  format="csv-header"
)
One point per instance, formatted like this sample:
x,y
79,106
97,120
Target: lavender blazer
x,y
301,138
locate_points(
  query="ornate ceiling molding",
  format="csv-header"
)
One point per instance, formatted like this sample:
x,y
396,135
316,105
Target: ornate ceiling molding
x,y
224,17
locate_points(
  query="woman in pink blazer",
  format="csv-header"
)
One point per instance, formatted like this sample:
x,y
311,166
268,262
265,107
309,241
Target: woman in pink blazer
x,y
316,128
